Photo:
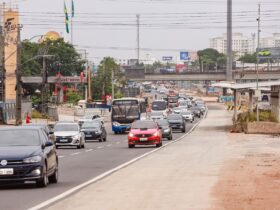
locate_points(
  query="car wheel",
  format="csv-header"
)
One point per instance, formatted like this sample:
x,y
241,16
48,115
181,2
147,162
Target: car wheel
x,y
83,146
43,181
100,140
170,137
56,146
159,145
131,146
79,146
105,138
184,130
54,177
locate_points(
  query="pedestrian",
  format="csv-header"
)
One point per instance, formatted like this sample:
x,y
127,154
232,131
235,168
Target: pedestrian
x,y
27,119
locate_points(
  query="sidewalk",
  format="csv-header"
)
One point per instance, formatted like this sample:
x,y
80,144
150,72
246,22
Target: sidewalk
x,y
177,177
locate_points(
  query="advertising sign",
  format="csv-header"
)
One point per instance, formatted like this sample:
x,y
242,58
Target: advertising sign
x,y
184,56
269,52
167,58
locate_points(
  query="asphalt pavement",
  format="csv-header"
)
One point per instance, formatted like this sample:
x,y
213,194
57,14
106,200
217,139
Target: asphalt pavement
x,y
76,166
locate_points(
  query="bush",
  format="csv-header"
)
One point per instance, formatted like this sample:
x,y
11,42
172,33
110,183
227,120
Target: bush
x,y
264,116
73,97
36,115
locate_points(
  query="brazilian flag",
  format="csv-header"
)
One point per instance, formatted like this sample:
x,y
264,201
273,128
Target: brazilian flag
x,y
73,9
66,18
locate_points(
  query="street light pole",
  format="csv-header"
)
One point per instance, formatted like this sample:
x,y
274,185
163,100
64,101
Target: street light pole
x,y
229,41
258,60
18,80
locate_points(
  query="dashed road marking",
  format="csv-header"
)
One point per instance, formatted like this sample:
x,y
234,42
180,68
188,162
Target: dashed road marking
x,y
61,156
89,150
77,153
99,147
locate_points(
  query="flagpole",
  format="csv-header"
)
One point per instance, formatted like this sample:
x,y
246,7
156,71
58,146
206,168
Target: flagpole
x,y
72,30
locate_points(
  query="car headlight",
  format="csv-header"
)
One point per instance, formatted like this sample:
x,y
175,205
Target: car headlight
x,y
116,124
156,134
76,137
98,132
131,135
34,159
167,130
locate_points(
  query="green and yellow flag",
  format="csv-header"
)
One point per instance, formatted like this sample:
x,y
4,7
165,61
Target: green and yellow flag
x,y
66,18
73,9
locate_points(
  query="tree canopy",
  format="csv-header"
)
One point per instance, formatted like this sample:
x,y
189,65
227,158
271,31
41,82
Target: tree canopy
x,y
64,58
210,59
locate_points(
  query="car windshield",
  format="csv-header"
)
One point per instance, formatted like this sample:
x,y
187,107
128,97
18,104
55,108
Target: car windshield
x,y
90,125
66,127
159,105
19,138
186,113
183,103
174,117
87,117
156,113
143,125
162,123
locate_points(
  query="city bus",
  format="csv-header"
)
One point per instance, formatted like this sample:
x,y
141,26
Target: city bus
x,y
125,111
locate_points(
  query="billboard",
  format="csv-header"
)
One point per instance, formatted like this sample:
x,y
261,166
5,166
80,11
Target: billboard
x,y
11,23
269,52
167,58
184,56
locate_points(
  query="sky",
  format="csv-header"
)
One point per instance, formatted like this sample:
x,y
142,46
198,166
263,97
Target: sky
x,y
108,27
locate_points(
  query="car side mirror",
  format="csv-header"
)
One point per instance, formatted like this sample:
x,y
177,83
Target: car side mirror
x,y
49,144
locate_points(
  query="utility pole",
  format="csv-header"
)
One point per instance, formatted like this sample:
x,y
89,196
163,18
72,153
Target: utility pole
x,y
18,80
113,84
229,41
2,66
138,37
89,84
258,60
86,86
43,91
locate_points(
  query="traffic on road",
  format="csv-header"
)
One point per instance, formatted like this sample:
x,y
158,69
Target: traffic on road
x,y
58,153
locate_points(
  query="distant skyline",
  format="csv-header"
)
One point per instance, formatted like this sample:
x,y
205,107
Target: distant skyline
x,y
108,27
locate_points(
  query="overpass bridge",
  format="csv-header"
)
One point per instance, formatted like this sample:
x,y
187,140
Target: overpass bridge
x,y
140,76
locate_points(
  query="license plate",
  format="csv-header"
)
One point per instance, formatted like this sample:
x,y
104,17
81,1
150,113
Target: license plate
x,y
143,139
88,135
7,171
63,140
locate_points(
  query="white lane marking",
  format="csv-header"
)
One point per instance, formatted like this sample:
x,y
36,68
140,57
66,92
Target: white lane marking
x,y
61,156
102,176
77,153
89,150
109,145
99,147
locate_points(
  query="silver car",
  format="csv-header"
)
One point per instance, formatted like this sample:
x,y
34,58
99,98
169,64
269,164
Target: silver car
x,y
68,134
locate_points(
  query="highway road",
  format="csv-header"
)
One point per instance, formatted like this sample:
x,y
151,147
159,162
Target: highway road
x,y
76,166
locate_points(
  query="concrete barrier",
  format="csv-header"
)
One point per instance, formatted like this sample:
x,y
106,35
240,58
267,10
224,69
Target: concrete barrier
x,y
262,128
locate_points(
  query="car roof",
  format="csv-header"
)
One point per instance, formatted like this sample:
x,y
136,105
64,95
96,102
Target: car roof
x,y
20,128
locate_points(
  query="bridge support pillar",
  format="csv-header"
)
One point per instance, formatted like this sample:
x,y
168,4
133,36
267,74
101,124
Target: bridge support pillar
x,y
251,101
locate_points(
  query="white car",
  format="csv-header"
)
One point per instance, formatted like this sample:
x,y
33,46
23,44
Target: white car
x,y
157,115
68,134
188,116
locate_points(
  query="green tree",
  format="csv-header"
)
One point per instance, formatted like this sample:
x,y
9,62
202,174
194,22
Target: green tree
x,y
210,59
248,58
102,82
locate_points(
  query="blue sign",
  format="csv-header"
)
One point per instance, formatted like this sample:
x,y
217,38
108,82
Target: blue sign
x,y
167,58
184,56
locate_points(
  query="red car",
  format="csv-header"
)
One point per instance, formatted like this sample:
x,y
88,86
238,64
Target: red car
x,y
144,132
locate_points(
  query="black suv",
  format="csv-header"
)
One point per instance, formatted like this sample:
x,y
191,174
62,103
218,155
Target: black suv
x,y
26,154
177,122
166,129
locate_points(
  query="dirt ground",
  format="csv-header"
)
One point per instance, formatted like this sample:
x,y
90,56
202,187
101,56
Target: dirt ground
x,y
249,183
